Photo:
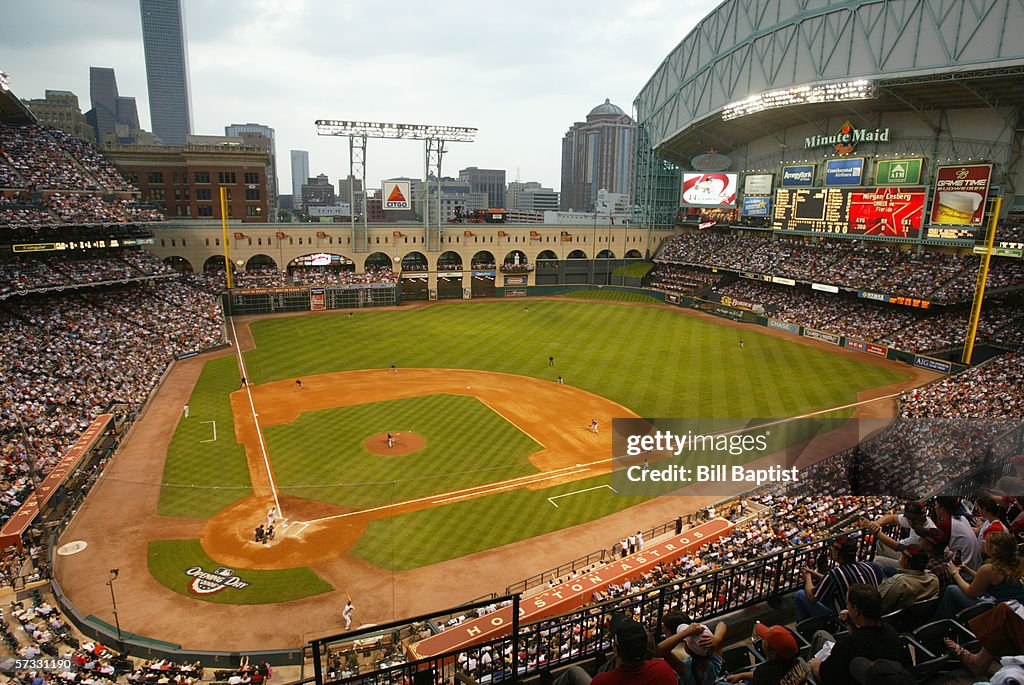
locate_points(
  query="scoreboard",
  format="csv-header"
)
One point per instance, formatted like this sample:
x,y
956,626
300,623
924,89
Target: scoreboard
x,y
885,211
267,300
306,298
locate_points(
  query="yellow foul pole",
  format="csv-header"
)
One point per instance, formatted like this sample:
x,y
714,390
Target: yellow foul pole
x,y
229,270
979,288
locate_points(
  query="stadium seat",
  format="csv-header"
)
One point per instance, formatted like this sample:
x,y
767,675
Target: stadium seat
x,y
809,626
931,635
741,658
965,615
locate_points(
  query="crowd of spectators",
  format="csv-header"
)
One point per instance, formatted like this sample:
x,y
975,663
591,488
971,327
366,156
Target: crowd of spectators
x,y
42,271
900,327
881,268
994,389
270,277
52,178
67,358
39,157
681,280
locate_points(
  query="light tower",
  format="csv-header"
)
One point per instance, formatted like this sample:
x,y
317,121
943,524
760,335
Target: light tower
x,y
434,138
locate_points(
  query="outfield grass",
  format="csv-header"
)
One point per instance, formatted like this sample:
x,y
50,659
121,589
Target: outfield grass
x,y
201,478
655,361
168,560
613,295
467,444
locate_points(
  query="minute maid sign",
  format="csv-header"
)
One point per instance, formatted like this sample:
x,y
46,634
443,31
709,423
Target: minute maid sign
x,y
846,138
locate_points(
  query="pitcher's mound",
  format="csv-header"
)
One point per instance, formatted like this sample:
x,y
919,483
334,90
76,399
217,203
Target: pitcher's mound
x,y
404,443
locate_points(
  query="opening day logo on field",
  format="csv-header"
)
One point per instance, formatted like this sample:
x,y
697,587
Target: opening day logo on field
x,y
206,583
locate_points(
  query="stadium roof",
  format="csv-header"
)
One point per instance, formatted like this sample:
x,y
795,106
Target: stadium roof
x,y
13,110
925,95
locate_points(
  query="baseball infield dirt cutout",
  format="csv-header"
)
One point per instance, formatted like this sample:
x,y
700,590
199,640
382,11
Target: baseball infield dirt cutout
x,y
401,443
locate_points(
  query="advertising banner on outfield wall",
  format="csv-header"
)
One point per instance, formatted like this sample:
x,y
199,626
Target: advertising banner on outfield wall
x,y
709,190
898,172
783,326
848,171
317,299
830,338
758,184
933,364
756,206
960,194
798,175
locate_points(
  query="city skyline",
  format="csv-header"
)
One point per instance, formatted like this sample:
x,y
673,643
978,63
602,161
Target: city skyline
x,y
522,75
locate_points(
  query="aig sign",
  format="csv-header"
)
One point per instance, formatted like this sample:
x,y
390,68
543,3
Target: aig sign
x,y
396,195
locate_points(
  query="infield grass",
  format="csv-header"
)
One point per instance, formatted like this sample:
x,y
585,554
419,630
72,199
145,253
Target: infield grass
x,y
467,444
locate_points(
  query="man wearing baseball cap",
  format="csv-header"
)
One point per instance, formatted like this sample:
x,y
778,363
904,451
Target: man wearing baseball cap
x,y
911,584
782,659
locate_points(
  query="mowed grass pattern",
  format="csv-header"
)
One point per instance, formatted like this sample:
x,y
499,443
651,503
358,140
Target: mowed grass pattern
x,y
655,361
201,478
467,444
432,535
611,295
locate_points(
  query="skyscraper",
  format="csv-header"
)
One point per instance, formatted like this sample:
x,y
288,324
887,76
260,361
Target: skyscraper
x,y
109,108
490,181
300,174
166,48
596,154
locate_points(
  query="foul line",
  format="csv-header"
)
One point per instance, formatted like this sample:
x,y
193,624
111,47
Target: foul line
x,y
521,480
569,494
252,406
506,486
214,439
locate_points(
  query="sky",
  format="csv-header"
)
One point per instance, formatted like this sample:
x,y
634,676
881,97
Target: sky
x,y
522,73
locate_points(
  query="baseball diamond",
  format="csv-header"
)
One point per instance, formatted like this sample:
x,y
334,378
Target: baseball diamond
x,y
383,526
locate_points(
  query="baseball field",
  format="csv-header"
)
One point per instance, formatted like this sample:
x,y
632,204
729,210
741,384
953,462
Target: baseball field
x,y
488,448
492,475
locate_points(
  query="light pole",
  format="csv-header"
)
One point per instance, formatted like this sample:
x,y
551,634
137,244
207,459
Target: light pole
x,y
113,601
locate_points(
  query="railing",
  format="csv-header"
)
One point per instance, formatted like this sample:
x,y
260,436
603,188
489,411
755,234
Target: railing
x,y
574,637
603,555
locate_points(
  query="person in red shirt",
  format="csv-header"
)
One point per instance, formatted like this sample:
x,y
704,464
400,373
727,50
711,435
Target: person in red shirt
x,y
632,645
